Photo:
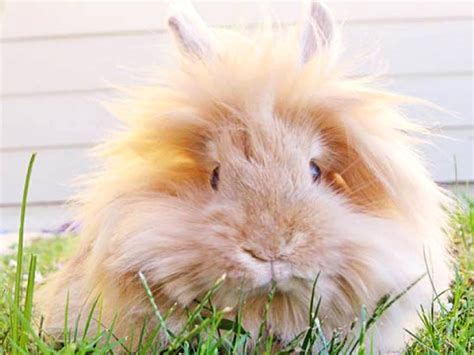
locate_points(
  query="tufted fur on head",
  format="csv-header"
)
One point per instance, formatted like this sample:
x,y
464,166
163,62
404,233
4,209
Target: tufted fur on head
x,y
261,110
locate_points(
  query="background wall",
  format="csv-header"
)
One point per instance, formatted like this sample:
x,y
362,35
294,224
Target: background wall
x,y
60,58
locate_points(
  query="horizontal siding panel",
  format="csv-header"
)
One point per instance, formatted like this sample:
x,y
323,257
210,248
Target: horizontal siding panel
x,y
52,121
52,179
81,63
83,17
79,119
450,155
55,170
409,48
451,93
38,218
93,62
105,17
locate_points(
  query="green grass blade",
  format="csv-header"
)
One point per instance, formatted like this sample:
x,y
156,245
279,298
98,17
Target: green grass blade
x,y
29,298
26,327
19,259
363,329
156,311
66,321
90,315
263,331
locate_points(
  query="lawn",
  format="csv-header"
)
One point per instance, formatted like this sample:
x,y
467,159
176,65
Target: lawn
x,y
208,331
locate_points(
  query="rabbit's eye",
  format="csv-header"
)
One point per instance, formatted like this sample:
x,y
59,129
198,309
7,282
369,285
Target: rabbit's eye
x,y
214,181
315,171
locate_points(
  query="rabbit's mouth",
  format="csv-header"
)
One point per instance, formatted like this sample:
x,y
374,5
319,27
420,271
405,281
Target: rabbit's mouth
x,y
267,276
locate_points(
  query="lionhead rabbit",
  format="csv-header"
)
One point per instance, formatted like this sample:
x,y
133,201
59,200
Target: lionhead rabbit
x,y
258,159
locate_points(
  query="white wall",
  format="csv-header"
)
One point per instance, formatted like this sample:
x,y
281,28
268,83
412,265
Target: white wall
x,y
60,58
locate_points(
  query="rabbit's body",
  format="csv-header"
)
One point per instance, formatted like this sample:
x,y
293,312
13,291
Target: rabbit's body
x,y
316,174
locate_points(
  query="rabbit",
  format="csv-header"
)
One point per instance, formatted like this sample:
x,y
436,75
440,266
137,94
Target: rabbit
x,y
259,162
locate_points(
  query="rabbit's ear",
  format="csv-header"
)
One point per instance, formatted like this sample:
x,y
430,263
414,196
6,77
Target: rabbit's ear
x,y
318,31
193,36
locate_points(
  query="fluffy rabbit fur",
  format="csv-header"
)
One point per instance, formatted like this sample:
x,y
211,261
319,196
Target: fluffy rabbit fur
x,y
260,109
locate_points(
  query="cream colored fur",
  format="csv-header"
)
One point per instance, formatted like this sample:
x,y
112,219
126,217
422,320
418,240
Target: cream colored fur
x,y
261,113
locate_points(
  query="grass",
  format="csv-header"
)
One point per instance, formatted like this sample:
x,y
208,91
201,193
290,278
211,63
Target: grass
x,y
208,330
